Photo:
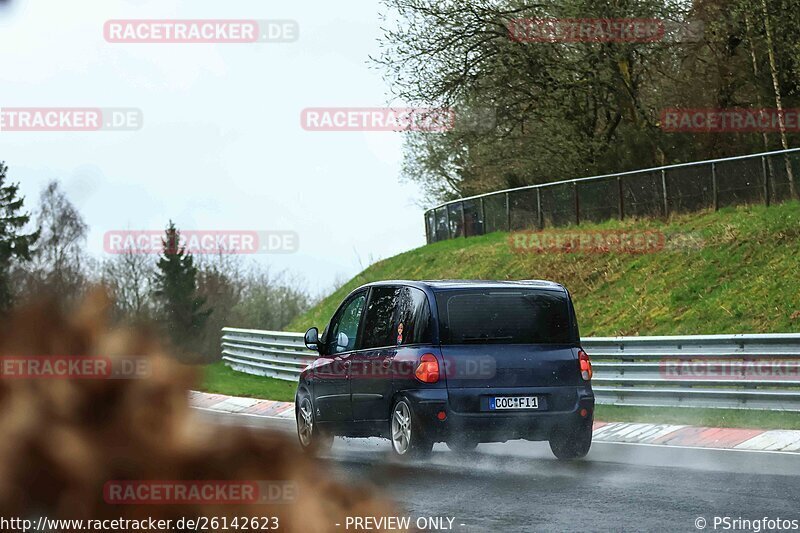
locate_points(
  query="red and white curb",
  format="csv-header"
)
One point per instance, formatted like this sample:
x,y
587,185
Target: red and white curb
x,y
241,406
698,437
624,432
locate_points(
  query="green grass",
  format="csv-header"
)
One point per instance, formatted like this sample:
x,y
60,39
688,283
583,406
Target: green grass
x,y
723,418
742,279
220,379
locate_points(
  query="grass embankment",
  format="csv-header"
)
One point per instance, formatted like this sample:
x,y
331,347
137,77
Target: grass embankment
x,y
743,278
222,380
742,275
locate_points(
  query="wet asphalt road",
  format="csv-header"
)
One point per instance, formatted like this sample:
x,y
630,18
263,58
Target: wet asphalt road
x,y
518,486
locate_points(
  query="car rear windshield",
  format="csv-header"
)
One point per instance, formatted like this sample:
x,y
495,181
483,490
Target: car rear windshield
x,y
506,316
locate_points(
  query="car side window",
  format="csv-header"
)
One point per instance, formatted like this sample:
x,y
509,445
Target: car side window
x,y
342,332
378,323
413,317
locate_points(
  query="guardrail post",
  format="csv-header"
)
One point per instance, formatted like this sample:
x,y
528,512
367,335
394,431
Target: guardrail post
x,y
447,221
508,212
714,186
766,180
463,221
621,198
664,189
577,204
427,230
540,215
483,217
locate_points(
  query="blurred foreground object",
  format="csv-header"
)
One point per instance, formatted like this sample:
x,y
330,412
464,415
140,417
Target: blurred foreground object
x,y
65,439
8,6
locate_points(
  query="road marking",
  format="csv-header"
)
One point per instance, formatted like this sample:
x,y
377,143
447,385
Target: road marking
x,y
209,409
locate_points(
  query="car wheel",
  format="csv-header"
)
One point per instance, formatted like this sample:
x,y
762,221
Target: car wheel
x,y
568,444
312,440
408,439
462,445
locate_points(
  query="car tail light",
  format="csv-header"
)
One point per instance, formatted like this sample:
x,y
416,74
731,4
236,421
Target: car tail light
x,y
586,365
428,369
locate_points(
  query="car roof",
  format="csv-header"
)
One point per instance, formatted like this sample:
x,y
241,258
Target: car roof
x,y
447,284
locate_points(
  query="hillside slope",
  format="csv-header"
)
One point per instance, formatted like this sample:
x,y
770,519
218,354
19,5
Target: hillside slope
x,y
733,271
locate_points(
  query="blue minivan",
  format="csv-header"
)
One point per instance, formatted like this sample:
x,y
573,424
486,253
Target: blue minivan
x,y
461,362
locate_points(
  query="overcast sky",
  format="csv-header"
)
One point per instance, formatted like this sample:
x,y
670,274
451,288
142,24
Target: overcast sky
x,y
222,146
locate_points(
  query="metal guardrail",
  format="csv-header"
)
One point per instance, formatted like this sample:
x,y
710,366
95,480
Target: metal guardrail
x,y
636,371
276,354
768,177
633,371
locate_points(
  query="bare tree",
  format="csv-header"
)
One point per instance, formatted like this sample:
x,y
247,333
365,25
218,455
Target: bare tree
x,y
773,69
270,301
246,295
129,277
59,263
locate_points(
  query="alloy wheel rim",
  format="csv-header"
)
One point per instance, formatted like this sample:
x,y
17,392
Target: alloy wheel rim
x,y
305,423
401,428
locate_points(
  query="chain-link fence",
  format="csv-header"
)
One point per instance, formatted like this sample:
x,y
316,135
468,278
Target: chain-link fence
x,y
765,178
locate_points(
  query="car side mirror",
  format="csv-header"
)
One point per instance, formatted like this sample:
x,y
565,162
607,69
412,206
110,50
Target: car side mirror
x,y
312,339
342,341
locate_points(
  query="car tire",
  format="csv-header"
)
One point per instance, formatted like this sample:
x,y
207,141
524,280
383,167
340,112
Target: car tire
x,y
405,432
572,443
312,440
462,445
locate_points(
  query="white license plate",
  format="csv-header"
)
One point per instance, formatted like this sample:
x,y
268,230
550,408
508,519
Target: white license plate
x,y
499,403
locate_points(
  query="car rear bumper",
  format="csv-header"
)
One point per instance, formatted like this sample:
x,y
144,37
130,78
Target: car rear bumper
x,y
565,409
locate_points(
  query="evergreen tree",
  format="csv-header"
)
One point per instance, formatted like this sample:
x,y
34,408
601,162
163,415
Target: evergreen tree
x,y
182,309
13,243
